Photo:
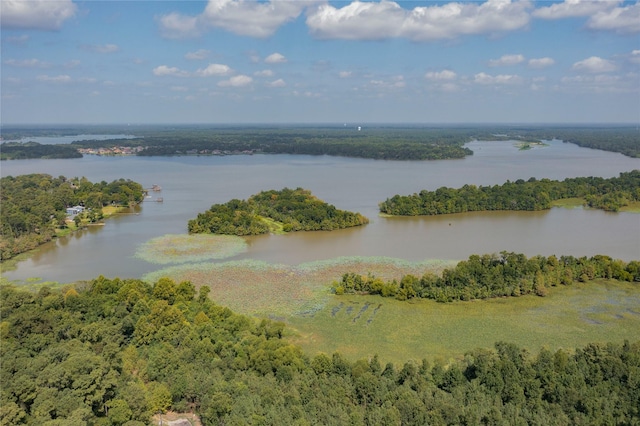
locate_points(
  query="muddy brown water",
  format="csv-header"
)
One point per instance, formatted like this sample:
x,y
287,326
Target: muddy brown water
x,y
191,184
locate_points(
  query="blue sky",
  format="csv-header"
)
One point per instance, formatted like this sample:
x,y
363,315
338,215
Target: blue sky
x,y
281,61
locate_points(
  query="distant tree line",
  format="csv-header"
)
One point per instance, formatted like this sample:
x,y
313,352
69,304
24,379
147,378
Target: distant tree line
x,y
608,194
29,150
290,209
622,139
491,275
114,352
34,206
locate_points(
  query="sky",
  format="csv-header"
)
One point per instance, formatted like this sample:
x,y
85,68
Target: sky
x,y
284,61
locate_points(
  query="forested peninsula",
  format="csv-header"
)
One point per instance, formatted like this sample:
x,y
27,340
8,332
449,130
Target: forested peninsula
x,y
274,211
488,276
34,207
30,150
607,194
114,352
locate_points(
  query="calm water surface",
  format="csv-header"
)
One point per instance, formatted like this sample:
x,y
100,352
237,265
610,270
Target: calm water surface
x,y
191,184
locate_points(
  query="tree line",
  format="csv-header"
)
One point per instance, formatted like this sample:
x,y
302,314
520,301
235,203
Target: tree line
x,y
29,150
290,209
608,194
117,351
492,275
34,206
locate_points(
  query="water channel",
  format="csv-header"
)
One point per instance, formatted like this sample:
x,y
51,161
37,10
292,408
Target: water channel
x,y
190,184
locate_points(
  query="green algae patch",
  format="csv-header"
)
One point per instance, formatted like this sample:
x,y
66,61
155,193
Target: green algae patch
x,y
170,248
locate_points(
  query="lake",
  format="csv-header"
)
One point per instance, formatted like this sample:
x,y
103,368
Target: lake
x,y
191,184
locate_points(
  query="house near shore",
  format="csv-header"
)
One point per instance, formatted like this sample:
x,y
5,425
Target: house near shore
x,y
72,211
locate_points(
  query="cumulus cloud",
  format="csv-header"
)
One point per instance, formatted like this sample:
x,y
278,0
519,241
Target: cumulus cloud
x,y
277,83
345,74
54,79
36,14
275,58
624,20
250,18
483,78
214,70
443,75
634,57
27,63
100,48
387,19
263,73
594,64
164,70
236,81
574,8
198,55
506,60
179,26
541,62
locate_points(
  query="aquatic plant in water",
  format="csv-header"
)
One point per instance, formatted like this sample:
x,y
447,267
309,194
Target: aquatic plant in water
x,y
172,248
262,288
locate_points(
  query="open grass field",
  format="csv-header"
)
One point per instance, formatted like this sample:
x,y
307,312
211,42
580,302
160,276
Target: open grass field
x,y
360,326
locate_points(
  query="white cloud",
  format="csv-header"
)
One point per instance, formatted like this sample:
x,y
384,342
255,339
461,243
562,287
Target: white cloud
x,y
250,18
263,73
100,48
634,57
277,83
27,63
198,55
440,75
236,81
506,60
54,79
574,8
623,20
396,82
386,19
345,74
179,89
483,78
35,14
164,70
275,58
541,62
594,64
214,70
178,26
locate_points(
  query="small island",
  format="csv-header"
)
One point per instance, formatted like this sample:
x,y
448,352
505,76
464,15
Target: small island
x,y
274,211
610,194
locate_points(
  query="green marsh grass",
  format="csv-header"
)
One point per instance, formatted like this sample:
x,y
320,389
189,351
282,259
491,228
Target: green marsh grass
x,y
569,317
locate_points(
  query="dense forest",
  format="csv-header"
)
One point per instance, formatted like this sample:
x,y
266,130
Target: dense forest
x,y
115,352
286,210
492,275
608,194
34,206
27,150
373,141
